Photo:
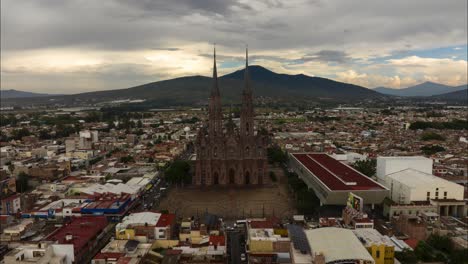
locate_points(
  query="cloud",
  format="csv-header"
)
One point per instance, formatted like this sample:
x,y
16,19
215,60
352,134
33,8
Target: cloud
x,y
321,38
327,56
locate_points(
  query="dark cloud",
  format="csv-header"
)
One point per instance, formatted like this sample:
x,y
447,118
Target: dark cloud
x,y
327,56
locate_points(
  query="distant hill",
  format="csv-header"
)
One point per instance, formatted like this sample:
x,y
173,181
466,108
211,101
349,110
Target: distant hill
x,y
423,89
19,94
195,90
461,95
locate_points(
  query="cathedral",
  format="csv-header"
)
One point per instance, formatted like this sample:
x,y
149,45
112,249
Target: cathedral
x,y
228,155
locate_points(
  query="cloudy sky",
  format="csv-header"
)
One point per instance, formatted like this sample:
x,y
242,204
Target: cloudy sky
x,y
70,46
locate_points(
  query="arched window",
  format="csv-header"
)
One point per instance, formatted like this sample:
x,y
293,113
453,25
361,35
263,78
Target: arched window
x,y
247,128
247,178
247,151
232,177
215,152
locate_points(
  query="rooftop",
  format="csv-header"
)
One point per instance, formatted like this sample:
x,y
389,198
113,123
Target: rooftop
x,y
337,244
415,178
370,236
336,175
79,232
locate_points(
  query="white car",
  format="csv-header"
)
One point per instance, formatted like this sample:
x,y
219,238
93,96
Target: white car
x,y
243,258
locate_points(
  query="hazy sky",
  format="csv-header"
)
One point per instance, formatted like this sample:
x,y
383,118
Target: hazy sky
x,y
61,46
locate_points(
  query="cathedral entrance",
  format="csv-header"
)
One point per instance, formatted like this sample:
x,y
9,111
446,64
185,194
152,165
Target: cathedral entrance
x,y
232,178
247,178
215,178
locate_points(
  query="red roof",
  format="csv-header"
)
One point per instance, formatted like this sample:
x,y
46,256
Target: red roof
x,y
261,224
109,255
217,240
336,175
82,230
165,220
412,242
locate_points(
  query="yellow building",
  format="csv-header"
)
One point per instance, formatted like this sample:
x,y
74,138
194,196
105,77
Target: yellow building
x,y
380,247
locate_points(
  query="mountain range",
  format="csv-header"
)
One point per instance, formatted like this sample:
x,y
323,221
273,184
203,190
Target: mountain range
x,y
267,85
423,89
193,90
11,93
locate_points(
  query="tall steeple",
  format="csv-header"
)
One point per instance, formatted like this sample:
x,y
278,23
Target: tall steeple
x,y
247,114
215,113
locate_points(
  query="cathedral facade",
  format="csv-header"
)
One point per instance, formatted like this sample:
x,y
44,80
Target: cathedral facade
x,y
228,155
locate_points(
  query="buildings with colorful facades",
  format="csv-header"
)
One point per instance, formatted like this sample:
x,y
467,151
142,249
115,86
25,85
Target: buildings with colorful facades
x,y
227,155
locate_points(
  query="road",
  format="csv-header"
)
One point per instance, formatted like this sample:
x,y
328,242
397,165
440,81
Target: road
x,y
235,246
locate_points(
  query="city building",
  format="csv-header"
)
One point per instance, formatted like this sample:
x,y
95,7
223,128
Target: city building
x,y
146,226
332,180
267,242
226,155
336,245
381,248
82,233
41,252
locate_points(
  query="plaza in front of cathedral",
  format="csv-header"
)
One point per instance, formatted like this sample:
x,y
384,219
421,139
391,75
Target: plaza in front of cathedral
x,y
233,202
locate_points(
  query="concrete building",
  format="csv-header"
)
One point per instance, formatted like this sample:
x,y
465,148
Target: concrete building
x,y
82,234
332,180
336,245
388,165
42,252
267,242
381,248
413,188
409,185
146,226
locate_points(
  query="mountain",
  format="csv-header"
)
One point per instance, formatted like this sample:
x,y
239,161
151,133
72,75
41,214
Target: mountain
x,y
461,95
19,94
193,90
423,89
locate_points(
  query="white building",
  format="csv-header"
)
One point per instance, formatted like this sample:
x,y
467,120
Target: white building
x,y
411,182
411,185
387,165
42,252
337,245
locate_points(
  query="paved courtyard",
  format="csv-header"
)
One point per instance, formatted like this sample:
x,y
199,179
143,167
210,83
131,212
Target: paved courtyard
x,y
232,203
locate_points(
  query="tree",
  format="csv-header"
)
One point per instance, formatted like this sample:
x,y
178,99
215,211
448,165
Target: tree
x,y
276,155
431,150
127,159
431,136
178,172
366,167
441,243
406,256
273,176
20,133
22,182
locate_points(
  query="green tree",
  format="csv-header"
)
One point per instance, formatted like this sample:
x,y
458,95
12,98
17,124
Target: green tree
x,y
22,182
406,256
20,133
426,136
273,176
367,167
431,150
178,172
127,159
276,155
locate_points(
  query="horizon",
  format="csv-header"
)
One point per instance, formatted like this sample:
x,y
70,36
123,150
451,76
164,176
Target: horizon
x,y
240,69
74,47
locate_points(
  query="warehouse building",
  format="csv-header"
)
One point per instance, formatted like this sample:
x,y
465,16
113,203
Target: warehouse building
x,y
332,180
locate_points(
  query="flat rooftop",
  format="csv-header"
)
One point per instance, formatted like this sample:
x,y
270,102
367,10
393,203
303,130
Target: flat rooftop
x,y
334,174
337,244
415,178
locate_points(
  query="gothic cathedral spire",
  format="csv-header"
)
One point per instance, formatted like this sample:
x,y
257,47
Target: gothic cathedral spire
x,y
215,113
247,114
